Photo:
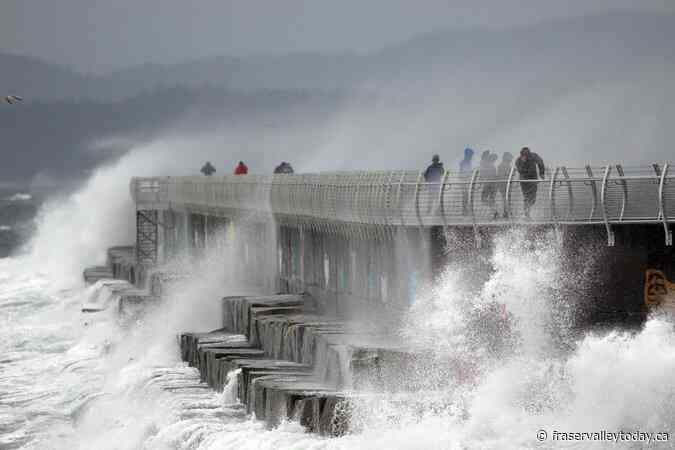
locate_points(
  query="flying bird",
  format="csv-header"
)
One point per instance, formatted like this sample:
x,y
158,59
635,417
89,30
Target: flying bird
x,y
11,99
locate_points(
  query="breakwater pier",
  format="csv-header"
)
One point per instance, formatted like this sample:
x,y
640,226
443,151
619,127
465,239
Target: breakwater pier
x,y
334,260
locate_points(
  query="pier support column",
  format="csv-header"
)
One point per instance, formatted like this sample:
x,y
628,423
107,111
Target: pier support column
x,y
147,238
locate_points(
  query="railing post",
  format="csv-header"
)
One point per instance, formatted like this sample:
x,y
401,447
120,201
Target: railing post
x,y
594,190
441,198
657,170
472,184
417,198
387,199
355,202
662,205
619,170
507,196
570,192
398,198
603,200
551,196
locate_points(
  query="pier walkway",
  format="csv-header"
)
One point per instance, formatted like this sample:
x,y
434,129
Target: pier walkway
x,y
592,195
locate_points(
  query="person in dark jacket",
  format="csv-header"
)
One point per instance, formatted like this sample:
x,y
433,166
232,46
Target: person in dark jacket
x,y
284,168
241,169
433,175
465,169
530,166
435,170
208,169
503,172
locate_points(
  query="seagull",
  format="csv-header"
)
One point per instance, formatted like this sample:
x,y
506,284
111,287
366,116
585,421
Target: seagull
x,y
11,99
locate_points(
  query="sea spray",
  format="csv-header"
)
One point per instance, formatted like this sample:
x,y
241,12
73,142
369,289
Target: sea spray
x,y
229,395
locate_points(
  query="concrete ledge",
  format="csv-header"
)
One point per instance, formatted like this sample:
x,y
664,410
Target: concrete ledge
x,y
292,363
122,261
274,390
96,273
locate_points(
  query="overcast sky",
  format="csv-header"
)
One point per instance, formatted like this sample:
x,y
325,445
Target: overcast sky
x,y
100,35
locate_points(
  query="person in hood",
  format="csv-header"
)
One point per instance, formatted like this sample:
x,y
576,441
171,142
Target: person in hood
x,y
435,170
465,169
530,167
433,175
208,169
503,172
241,169
284,168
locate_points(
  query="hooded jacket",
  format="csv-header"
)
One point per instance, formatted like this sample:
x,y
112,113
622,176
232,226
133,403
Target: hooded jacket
x,y
528,169
434,172
241,169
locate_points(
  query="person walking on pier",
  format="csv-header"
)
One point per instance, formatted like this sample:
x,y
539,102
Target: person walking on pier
x,y
465,168
208,169
488,174
284,168
241,169
433,176
503,172
530,166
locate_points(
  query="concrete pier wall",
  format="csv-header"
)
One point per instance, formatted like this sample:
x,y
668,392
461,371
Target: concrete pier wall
x,y
368,271
350,271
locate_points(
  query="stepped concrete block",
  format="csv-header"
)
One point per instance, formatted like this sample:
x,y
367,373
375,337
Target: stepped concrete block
x,y
246,381
161,281
133,304
210,366
122,261
104,294
191,342
93,274
251,369
335,414
237,310
277,398
294,363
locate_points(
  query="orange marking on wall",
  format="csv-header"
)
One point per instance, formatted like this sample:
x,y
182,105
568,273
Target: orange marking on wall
x,y
659,292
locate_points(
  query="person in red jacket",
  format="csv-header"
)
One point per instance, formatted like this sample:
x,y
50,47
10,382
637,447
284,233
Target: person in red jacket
x,y
241,169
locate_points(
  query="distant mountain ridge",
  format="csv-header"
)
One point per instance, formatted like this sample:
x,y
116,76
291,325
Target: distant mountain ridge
x,y
603,42
478,85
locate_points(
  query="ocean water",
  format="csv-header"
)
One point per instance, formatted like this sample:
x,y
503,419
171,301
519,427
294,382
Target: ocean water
x,y
70,380
16,214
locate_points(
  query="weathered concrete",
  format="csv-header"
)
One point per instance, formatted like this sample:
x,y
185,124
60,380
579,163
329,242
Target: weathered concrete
x,y
273,389
93,274
295,364
161,281
118,286
292,360
105,292
122,261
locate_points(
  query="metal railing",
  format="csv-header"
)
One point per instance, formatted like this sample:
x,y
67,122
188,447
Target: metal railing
x,y
605,195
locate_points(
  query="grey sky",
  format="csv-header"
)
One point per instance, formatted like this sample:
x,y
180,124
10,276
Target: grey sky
x,y
100,35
